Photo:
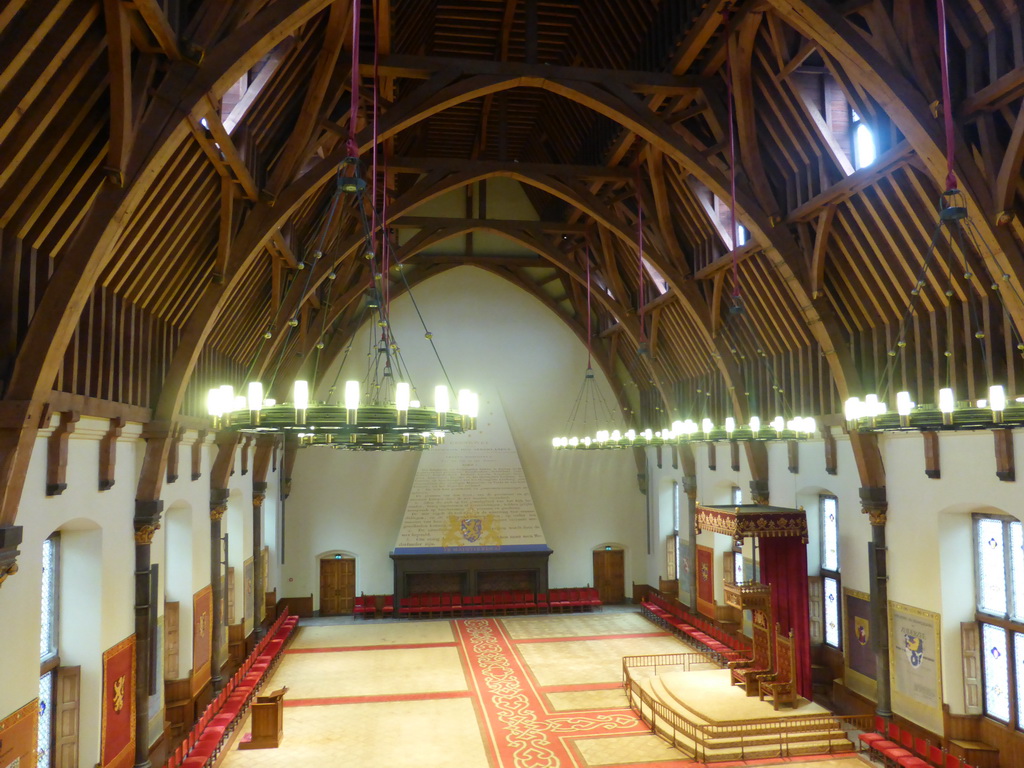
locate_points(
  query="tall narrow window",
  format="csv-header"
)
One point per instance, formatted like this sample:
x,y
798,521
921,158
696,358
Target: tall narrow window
x,y
864,151
831,584
999,567
737,495
676,517
48,658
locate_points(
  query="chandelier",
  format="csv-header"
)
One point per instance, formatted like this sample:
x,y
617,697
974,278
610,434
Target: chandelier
x,y
380,413
962,241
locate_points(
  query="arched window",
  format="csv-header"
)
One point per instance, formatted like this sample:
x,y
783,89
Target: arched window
x,y
828,506
999,552
864,151
48,657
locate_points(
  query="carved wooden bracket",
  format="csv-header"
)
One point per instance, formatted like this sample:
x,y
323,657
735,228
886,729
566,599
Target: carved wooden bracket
x,y
291,449
831,460
108,453
10,539
245,454
734,455
793,447
57,453
197,455
712,460
931,454
172,454
1005,470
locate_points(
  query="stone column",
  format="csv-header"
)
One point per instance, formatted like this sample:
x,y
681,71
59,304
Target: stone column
x,y
147,521
690,489
259,493
218,506
759,492
873,502
10,539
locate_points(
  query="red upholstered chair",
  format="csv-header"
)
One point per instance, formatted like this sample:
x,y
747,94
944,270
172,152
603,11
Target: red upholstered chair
x,y
446,604
952,761
542,602
748,671
456,604
780,684
920,757
388,609
890,750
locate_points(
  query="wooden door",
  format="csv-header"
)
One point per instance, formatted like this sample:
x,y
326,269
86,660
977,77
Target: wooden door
x,y
610,575
171,644
66,698
337,586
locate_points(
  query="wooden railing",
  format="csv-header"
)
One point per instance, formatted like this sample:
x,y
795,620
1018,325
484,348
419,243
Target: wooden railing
x,y
743,736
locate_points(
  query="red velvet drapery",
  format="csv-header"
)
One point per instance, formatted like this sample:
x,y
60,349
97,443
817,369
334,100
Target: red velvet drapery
x,y
784,567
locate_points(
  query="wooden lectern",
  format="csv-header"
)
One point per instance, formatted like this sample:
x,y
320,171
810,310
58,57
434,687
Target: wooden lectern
x,y
267,721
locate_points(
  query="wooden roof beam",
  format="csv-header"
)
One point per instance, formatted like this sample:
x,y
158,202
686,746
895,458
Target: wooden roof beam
x,y
158,26
425,67
417,222
119,58
420,165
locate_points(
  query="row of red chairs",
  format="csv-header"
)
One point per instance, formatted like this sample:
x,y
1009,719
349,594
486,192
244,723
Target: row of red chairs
x,y
505,602
366,606
211,731
708,638
895,746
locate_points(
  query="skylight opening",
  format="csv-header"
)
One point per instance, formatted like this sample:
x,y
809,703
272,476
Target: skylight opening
x,y
656,277
864,151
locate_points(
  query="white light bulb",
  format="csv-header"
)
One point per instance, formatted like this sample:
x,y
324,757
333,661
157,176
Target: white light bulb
x,y
227,397
616,435
730,424
574,441
778,424
300,394
947,402
997,398
904,405
631,435
810,425
602,435
441,400
755,424
556,442
852,409
706,426
352,395
213,403
647,434
587,441
402,395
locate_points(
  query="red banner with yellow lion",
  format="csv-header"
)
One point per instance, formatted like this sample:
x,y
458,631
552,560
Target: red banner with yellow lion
x,y
117,749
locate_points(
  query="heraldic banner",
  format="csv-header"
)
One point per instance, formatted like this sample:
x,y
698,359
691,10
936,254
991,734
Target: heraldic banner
x,y
117,749
860,652
915,662
18,734
706,580
202,624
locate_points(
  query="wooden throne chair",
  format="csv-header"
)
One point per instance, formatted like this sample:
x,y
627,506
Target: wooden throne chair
x,y
748,672
781,684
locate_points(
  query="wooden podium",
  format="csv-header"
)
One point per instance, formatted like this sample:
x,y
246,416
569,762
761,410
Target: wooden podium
x,y
267,721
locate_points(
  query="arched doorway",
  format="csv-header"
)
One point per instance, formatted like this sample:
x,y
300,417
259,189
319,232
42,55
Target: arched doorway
x,y
610,573
337,584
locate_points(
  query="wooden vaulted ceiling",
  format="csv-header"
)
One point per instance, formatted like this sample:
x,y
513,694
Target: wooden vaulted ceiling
x,y
166,166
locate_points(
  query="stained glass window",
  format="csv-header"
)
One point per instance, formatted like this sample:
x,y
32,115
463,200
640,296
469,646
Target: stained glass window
x,y
991,567
831,590
45,738
737,567
675,523
737,495
829,533
1017,569
995,662
1018,655
48,621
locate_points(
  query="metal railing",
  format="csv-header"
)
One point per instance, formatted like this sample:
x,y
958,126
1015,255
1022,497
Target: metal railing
x,y
709,740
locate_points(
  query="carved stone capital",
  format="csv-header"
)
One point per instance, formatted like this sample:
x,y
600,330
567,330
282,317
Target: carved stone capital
x,y
10,538
690,486
7,569
217,511
759,491
257,499
875,504
144,534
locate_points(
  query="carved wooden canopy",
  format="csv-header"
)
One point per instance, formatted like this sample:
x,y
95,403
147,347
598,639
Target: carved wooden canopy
x,y
743,520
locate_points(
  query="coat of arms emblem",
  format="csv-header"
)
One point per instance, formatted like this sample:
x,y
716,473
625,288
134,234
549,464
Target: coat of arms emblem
x,y
472,529
914,646
862,629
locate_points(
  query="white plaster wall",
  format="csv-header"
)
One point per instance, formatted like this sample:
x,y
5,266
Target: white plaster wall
x,y
492,337
99,561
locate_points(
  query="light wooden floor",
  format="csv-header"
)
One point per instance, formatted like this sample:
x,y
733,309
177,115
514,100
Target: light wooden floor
x,y
517,692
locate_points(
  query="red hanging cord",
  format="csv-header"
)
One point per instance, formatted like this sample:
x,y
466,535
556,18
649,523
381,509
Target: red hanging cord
x,y
351,146
732,168
589,334
947,102
640,249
